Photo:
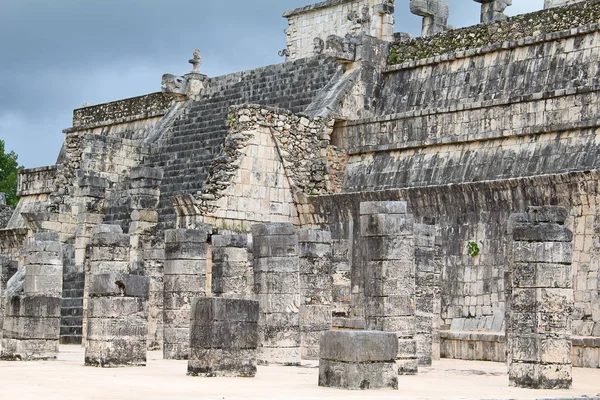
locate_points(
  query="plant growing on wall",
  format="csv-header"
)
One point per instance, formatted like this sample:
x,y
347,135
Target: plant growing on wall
x,y
473,249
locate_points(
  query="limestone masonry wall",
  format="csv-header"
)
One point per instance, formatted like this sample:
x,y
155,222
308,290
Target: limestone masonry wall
x,y
473,287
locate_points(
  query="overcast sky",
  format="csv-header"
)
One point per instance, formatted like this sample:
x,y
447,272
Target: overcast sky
x,y
57,55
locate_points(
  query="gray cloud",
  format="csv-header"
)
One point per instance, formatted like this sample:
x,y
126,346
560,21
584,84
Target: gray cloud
x,y
58,54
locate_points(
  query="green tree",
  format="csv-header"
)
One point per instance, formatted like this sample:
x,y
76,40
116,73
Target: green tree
x,y
9,170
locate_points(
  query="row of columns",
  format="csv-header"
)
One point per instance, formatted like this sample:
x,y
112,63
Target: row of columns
x,y
292,293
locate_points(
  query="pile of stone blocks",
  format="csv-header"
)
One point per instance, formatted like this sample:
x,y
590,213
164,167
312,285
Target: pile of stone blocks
x,y
117,325
223,337
185,279
316,289
541,300
31,326
388,244
277,286
232,269
358,360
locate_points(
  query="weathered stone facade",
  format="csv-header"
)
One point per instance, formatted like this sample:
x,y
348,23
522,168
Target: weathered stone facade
x,y
464,128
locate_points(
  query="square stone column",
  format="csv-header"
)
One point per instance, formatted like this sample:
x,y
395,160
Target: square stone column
x,y
387,240
277,286
223,337
185,278
232,267
541,303
107,251
427,294
316,289
31,328
147,244
117,325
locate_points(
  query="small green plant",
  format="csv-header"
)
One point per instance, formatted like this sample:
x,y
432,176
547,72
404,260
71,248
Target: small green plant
x,y
394,56
473,249
229,121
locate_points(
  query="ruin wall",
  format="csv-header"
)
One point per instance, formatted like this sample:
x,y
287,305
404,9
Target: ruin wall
x,y
473,287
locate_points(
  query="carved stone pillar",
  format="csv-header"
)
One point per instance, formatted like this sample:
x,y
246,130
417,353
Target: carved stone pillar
x,y
388,242
185,278
31,326
435,15
316,289
493,10
276,284
541,300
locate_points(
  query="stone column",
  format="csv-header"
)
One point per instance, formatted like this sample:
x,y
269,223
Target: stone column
x,y
147,244
31,327
493,10
539,324
277,286
427,295
435,15
106,252
88,201
117,324
388,242
223,337
232,269
316,289
185,279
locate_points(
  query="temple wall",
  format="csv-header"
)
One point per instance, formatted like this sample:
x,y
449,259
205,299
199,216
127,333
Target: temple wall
x,y
473,296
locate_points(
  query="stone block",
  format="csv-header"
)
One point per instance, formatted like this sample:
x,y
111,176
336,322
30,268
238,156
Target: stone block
x,y
277,264
173,236
116,284
185,267
548,214
358,360
536,376
276,246
358,376
383,207
358,346
376,225
223,337
273,229
540,275
392,248
117,323
542,232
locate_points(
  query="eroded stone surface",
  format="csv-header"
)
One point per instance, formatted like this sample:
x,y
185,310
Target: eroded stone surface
x,y
358,360
277,287
31,327
223,337
541,300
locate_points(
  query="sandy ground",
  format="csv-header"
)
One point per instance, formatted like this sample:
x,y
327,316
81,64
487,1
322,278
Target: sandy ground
x,y
68,379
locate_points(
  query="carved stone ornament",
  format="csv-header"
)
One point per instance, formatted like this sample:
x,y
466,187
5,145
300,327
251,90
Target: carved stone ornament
x,y
319,45
173,84
196,61
341,48
284,53
364,18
